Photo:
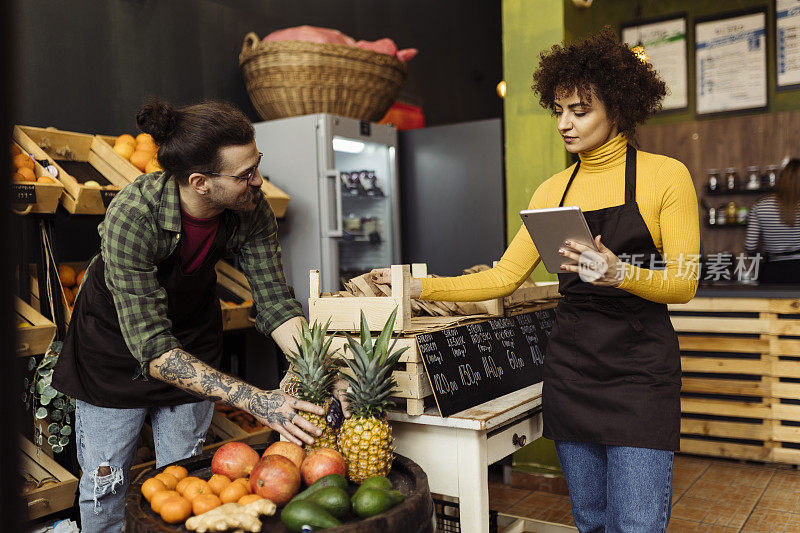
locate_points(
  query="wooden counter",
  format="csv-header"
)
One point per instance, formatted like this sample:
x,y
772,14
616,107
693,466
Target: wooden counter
x,y
740,354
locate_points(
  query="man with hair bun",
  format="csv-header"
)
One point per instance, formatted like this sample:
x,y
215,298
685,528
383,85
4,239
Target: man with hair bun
x,y
612,373
146,333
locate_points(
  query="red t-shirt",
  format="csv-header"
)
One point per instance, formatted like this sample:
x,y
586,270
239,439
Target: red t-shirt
x,y
196,239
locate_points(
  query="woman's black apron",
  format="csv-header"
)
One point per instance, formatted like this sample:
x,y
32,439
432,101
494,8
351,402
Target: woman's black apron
x,y
95,364
612,374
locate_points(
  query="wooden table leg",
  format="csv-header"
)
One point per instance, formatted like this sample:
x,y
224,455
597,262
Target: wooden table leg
x,y
473,482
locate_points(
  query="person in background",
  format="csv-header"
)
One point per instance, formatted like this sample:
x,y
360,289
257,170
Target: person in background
x,y
612,371
775,222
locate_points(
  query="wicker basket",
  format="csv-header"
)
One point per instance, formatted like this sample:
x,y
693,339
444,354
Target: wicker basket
x,y
290,78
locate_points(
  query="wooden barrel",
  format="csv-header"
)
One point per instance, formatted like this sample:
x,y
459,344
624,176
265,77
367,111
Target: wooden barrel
x,y
414,514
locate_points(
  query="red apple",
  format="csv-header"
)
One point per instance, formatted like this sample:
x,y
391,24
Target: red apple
x,y
275,478
321,462
234,460
290,450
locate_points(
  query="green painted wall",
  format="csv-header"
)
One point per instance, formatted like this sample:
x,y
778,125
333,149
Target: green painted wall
x,y
581,22
534,150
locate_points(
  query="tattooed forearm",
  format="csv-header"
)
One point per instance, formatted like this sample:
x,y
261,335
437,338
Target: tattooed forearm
x,y
267,404
214,380
242,394
177,366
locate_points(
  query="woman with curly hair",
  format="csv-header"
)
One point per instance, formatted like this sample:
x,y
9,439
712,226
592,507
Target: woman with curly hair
x,y
612,375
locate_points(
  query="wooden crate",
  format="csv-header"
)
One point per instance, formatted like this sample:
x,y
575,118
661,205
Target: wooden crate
x,y
127,170
56,145
35,336
34,285
278,200
47,194
344,313
58,486
741,381
222,428
236,300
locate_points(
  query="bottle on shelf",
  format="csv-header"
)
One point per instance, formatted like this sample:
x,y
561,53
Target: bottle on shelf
x,y
741,214
730,213
722,214
753,180
731,179
712,216
712,182
770,176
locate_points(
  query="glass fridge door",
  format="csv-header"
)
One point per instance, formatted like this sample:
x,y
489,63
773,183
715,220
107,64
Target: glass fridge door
x,y
369,206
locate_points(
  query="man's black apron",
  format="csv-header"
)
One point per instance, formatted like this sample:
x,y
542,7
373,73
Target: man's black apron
x,y
612,374
95,364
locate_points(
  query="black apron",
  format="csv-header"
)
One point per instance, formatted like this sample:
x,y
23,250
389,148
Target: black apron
x,y
95,364
612,374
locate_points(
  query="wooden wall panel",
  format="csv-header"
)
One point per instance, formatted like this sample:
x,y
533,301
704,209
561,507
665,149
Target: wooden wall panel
x,y
738,142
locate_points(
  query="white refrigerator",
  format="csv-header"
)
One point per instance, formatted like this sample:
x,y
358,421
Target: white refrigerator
x,y
341,174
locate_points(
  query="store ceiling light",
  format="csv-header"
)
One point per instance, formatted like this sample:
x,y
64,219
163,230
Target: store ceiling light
x,y
347,146
501,89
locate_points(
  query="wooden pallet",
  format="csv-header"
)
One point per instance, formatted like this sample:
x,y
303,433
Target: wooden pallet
x,y
741,377
58,486
55,145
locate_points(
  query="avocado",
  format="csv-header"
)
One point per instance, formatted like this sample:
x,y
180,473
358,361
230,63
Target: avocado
x,y
376,482
370,502
331,480
332,499
301,513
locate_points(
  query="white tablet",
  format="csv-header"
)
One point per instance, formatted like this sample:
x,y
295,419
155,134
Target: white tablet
x,y
549,228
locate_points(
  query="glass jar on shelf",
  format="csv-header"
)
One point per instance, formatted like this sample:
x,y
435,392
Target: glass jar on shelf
x,y
731,179
722,214
770,176
712,180
741,214
730,213
712,216
753,180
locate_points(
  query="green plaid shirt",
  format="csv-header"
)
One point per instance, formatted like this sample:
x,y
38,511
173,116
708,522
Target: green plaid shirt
x,y
142,228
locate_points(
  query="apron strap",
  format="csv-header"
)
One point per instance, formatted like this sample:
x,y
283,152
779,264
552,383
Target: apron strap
x,y
630,176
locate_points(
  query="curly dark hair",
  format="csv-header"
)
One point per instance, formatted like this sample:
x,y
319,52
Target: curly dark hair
x,y
630,89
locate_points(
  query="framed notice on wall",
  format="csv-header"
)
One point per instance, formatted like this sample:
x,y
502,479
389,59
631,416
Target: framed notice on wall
x,y
787,43
731,63
664,42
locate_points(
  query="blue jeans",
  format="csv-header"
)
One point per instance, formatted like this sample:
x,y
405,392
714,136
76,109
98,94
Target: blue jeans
x,y
107,437
617,488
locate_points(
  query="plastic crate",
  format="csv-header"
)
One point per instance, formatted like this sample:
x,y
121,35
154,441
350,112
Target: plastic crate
x,y
448,517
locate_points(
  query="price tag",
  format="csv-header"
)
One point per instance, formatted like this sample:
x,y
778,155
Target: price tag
x,y
23,193
107,196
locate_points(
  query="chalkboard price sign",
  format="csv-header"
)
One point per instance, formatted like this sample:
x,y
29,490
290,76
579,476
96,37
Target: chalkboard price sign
x,y
472,364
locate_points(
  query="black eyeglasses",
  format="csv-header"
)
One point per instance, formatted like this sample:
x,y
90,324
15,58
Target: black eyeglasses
x,y
246,177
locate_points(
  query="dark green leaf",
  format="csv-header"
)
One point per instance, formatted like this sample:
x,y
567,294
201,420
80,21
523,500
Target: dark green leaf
x,y
66,430
57,449
56,415
53,428
63,441
52,440
31,363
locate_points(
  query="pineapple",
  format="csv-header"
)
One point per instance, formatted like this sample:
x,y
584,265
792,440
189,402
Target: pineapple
x,y
314,372
365,439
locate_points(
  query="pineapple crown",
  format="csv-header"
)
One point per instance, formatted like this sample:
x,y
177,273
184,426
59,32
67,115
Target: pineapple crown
x,y
372,367
315,369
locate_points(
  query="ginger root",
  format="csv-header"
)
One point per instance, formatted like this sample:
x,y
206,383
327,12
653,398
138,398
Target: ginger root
x,y
232,516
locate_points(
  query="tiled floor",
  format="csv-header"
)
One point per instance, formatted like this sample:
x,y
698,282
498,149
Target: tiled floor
x,y
709,495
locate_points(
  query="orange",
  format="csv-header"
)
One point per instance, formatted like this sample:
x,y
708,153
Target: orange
x,y
15,150
175,510
44,179
125,139
139,158
78,281
151,486
145,138
178,471
124,149
195,489
69,294
250,498
23,160
25,171
20,177
204,503
159,497
232,493
245,482
67,275
169,480
218,482
152,166
185,482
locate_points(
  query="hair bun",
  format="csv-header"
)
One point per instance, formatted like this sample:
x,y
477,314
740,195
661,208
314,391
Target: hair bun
x,y
157,118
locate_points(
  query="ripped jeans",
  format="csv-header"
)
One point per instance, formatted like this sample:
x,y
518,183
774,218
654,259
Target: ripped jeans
x,y
107,437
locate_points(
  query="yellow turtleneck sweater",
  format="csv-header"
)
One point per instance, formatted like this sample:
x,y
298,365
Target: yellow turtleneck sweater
x,y
667,203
